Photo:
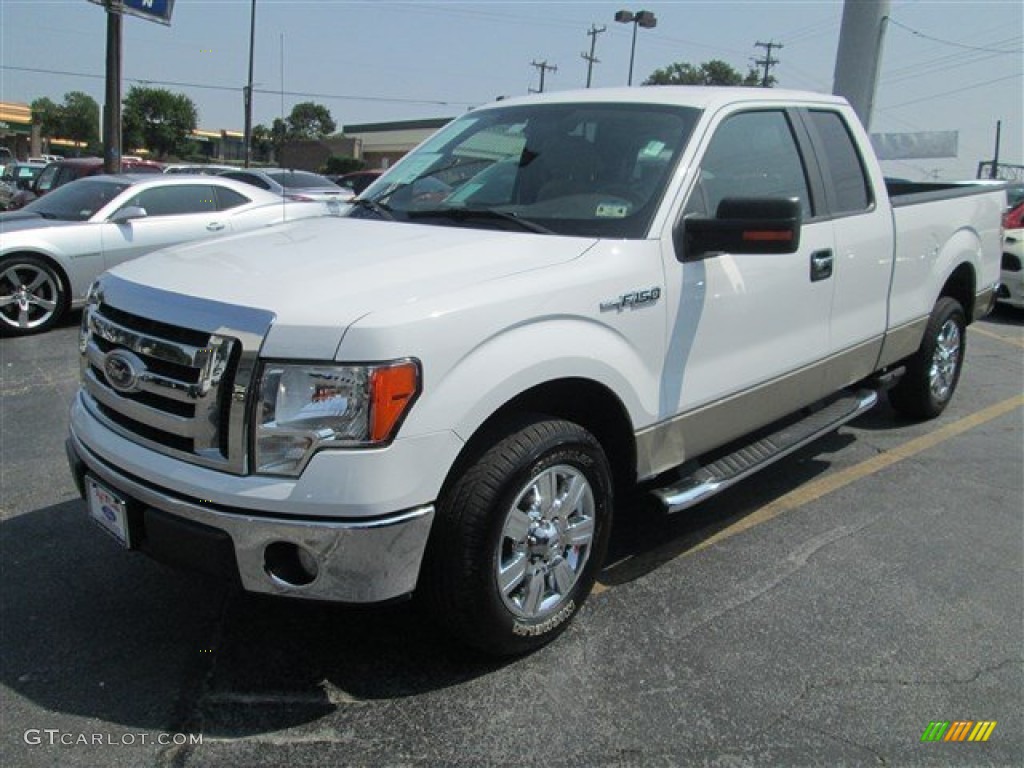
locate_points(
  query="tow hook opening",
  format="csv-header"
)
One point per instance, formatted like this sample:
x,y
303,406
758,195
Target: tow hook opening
x,y
289,564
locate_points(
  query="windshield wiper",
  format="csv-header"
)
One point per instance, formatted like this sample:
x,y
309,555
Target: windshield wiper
x,y
469,214
373,206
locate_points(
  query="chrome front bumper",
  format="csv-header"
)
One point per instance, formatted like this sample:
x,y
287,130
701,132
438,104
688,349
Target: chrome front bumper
x,y
348,561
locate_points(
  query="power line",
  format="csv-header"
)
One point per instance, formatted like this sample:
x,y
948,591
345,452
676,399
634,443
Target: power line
x,y
944,42
205,86
970,87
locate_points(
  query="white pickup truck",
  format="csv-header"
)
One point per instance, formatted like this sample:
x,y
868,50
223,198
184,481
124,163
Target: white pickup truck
x,y
552,301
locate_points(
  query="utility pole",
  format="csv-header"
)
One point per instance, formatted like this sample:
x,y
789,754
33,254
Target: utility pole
x,y
994,171
767,62
112,95
591,61
248,89
543,66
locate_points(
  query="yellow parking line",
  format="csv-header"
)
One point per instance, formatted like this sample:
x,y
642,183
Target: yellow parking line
x,y
993,335
816,489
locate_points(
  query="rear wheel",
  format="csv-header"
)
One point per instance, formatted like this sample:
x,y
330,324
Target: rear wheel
x,y
32,295
934,370
519,537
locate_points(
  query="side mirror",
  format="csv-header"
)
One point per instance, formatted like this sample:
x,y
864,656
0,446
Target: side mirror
x,y
126,214
742,225
23,183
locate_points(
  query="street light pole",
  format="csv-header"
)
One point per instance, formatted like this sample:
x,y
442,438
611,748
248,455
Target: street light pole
x,y
644,19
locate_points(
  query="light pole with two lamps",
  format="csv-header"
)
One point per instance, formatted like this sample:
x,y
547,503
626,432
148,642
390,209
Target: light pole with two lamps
x,y
644,19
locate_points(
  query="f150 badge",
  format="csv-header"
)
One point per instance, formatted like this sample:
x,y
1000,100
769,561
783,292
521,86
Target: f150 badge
x,y
632,300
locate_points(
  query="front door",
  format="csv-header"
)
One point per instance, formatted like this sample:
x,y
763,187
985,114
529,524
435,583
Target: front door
x,y
746,329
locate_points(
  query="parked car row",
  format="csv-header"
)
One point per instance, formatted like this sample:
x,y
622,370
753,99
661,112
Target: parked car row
x,y
52,249
25,182
1011,277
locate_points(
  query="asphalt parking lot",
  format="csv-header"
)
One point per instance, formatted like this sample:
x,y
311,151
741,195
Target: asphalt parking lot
x,y
823,613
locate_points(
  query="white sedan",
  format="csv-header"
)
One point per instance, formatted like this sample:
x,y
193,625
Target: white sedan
x,y
51,250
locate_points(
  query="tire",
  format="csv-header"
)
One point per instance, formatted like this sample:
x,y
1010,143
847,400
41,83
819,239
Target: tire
x,y
934,370
509,563
32,295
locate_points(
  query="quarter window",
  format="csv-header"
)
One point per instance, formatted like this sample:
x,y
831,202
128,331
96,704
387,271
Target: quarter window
x,y
228,198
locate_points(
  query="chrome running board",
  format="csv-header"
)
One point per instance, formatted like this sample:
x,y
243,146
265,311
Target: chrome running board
x,y
715,477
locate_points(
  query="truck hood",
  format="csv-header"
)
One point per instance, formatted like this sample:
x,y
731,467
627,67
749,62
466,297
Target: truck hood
x,y
319,276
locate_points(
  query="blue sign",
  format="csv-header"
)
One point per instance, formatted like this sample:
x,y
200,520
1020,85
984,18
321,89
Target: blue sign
x,y
154,10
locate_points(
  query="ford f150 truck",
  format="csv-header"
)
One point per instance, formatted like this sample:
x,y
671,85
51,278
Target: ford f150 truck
x,y
552,301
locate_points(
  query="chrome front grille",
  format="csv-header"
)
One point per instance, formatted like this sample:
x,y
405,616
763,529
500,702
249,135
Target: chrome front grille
x,y
177,389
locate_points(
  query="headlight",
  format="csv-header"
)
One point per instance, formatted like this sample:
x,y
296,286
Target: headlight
x,y
303,408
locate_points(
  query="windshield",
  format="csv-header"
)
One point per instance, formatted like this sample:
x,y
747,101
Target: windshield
x,y
300,180
595,170
78,200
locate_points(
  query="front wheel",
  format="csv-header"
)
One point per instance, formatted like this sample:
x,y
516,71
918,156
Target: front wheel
x,y
519,536
32,295
934,370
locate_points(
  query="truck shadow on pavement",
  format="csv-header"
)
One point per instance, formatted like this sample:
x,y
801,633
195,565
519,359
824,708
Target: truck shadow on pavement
x,y
92,631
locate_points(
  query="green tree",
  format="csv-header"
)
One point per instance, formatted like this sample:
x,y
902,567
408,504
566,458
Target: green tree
x,y
310,121
80,118
714,72
262,142
47,116
340,164
157,119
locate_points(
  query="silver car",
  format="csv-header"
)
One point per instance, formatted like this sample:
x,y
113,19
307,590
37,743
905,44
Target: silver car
x,y
294,185
51,250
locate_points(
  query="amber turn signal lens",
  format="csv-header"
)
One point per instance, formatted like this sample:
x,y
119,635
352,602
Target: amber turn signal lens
x,y
393,390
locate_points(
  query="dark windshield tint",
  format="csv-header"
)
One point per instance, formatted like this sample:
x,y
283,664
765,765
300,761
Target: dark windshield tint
x,y
594,170
300,180
78,200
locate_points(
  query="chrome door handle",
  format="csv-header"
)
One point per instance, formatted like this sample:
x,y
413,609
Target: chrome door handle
x,y
821,265
215,226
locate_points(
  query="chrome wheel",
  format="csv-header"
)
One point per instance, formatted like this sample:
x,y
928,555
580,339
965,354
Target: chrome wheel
x,y
945,361
29,296
545,541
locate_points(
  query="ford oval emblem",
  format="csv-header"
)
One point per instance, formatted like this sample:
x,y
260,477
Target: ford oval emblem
x,y
122,370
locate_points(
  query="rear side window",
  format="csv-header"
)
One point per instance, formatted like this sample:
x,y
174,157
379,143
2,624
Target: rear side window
x,y
851,192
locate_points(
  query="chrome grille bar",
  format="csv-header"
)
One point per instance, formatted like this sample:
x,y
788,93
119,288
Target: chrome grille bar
x,y
171,372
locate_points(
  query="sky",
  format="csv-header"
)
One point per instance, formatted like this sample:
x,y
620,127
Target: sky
x,y
951,65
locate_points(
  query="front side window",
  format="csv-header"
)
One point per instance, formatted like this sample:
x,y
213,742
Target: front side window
x,y
593,170
175,200
752,154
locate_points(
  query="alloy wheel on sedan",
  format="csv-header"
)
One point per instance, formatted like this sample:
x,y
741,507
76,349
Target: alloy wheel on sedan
x,y
31,295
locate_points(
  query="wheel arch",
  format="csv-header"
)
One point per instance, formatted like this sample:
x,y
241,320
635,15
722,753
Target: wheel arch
x,y
582,401
961,286
52,262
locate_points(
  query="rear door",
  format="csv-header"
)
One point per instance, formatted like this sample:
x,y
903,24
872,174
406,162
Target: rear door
x,y
863,232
